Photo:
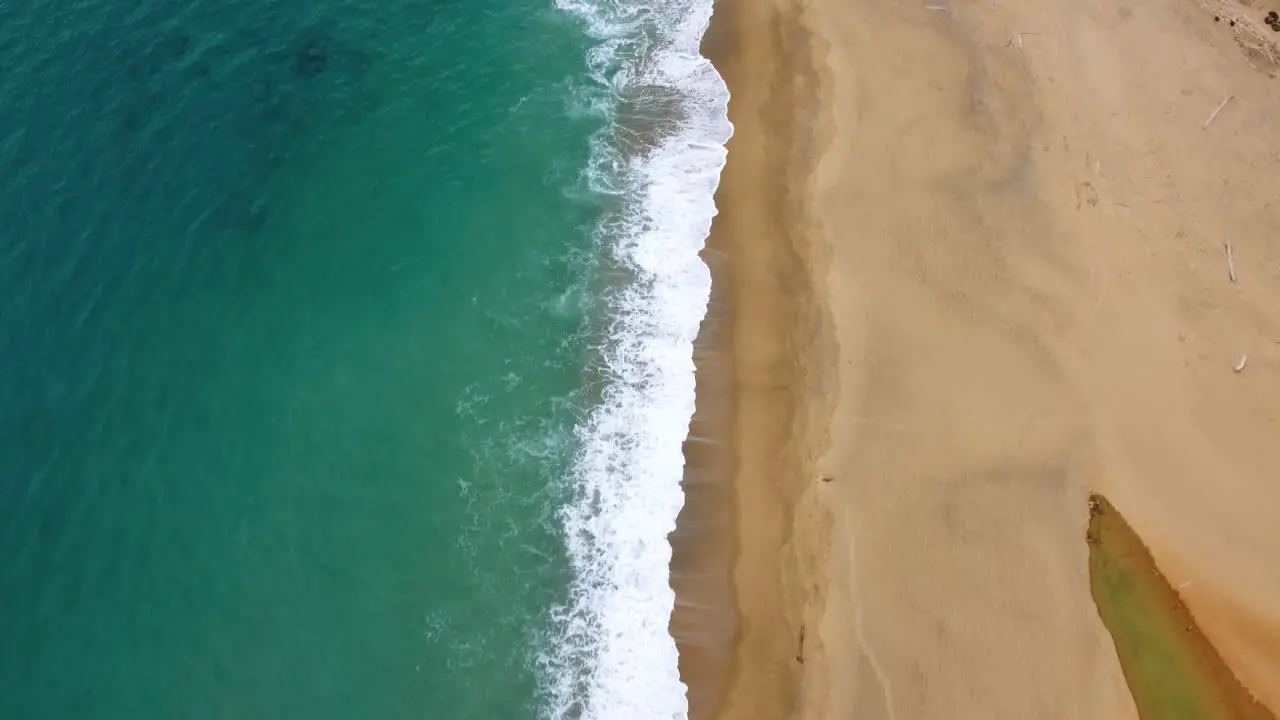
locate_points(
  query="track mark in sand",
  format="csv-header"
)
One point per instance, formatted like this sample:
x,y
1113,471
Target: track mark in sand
x,y
881,677
1086,194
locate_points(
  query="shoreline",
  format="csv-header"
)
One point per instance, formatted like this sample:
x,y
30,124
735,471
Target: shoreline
x,y
704,619
765,370
997,292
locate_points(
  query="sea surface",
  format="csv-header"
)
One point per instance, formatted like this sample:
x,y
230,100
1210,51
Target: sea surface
x,y
346,354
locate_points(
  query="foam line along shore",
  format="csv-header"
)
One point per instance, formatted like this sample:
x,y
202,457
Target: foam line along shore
x,y
658,160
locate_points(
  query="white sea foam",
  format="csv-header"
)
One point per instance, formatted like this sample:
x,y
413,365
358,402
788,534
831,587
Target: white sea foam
x,y
660,160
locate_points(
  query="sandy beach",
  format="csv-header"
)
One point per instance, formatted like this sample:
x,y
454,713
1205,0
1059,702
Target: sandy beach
x,y
974,259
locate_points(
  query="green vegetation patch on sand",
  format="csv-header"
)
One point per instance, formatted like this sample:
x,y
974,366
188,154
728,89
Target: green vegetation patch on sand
x,y
1172,669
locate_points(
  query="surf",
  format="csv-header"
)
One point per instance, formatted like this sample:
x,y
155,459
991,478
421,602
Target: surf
x,y
657,161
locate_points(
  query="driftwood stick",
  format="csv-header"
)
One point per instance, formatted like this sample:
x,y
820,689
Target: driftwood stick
x,y
1231,263
1216,111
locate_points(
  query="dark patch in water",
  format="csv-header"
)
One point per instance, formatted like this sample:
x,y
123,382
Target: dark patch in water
x,y
316,52
187,115
312,56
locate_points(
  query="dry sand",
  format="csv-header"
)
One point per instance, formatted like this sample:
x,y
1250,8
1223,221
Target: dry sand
x,y
976,266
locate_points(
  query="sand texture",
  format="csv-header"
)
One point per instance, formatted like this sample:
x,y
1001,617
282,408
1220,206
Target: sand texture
x,y
779,349
977,271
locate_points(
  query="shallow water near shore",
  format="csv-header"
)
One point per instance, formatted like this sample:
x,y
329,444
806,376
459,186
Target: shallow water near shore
x,y
318,330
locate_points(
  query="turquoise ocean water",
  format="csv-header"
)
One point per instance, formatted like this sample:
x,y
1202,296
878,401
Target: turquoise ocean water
x,y
345,354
